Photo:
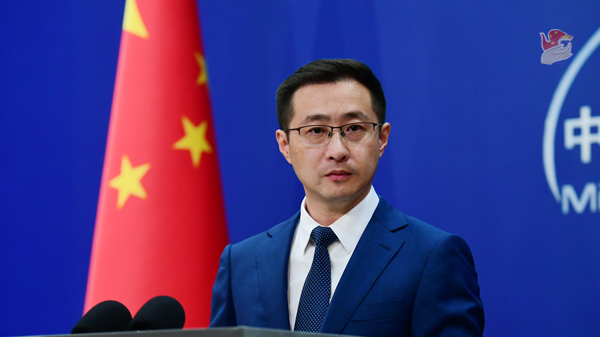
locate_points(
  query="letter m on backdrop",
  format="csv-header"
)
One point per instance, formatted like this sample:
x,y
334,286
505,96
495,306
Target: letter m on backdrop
x,y
588,196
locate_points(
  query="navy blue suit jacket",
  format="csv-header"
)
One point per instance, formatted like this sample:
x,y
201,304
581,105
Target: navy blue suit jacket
x,y
405,278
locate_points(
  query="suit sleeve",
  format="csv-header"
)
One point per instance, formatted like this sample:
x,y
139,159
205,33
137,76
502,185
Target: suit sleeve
x,y
447,301
222,312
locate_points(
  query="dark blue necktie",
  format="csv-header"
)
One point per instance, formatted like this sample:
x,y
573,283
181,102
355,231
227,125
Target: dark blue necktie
x,y
316,292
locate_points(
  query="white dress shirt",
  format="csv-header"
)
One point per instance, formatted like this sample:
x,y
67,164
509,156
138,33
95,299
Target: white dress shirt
x,y
348,228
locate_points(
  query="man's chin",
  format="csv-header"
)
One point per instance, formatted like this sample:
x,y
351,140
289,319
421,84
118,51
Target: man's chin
x,y
342,195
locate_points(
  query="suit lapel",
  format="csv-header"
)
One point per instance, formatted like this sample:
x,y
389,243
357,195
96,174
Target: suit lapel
x,y
377,246
272,262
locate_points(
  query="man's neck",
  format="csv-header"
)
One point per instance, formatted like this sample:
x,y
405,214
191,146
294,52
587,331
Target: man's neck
x,y
327,212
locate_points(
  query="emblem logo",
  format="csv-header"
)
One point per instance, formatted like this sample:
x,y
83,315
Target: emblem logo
x,y
554,49
581,134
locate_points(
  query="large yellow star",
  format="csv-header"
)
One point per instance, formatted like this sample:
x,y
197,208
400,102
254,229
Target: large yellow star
x,y
132,20
194,140
128,181
203,75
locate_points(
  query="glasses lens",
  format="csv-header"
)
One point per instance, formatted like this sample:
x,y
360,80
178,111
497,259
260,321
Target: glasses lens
x,y
358,132
315,135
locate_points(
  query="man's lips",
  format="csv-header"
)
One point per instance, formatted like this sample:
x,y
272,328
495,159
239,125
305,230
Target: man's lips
x,y
338,175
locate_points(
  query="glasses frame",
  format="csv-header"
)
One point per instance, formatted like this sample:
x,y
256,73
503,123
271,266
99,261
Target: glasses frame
x,y
330,134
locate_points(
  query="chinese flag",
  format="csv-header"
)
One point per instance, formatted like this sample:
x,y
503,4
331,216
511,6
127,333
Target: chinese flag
x,y
160,226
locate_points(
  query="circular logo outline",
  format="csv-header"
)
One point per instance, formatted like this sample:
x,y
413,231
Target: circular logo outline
x,y
556,105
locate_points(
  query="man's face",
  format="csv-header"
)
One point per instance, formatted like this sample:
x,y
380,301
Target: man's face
x,y
337,173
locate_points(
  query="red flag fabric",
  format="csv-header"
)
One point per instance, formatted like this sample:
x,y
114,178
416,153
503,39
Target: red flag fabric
x,y
160,226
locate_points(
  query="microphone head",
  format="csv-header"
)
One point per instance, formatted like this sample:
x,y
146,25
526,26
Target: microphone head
x,y
107,316
161,312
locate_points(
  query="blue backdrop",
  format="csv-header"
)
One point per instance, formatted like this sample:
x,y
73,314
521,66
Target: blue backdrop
x,y
476,147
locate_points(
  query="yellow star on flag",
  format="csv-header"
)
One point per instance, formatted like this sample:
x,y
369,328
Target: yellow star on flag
x,y
194,140
202,76
132,20
128,181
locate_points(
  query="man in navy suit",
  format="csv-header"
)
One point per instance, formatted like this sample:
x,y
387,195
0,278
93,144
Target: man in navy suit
x,y
380,272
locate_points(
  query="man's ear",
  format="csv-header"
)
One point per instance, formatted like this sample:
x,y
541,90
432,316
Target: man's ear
x,y
284,144
383,137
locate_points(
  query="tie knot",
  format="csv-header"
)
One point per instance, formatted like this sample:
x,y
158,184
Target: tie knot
x,y
323,236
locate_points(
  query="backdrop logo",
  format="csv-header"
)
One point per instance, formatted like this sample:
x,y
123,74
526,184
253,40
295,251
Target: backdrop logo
x,y
581,133
554,49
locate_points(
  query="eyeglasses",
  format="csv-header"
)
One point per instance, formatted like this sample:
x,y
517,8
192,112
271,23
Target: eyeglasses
x,y
320,134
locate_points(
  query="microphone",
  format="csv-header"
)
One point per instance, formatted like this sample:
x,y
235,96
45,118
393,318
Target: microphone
x,y
160,312
107,316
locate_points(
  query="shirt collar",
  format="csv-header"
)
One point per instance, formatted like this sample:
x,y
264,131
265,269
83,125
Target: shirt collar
x,y
348,228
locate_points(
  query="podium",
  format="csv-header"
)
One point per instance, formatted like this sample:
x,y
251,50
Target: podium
x,y
240,331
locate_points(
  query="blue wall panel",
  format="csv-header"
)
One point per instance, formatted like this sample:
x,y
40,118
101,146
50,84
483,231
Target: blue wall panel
x,y
467,98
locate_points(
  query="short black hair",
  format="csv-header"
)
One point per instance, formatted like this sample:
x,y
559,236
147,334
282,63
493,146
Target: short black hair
x,y
328,71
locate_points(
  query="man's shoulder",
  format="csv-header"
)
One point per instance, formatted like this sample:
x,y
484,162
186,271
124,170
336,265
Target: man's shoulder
x,y
406,225
419,238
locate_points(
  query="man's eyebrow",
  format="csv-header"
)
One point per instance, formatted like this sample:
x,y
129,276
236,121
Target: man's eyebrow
x,y
346,116
355,115
317,118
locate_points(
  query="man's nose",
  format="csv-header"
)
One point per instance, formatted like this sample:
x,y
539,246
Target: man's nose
x,y
337,149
